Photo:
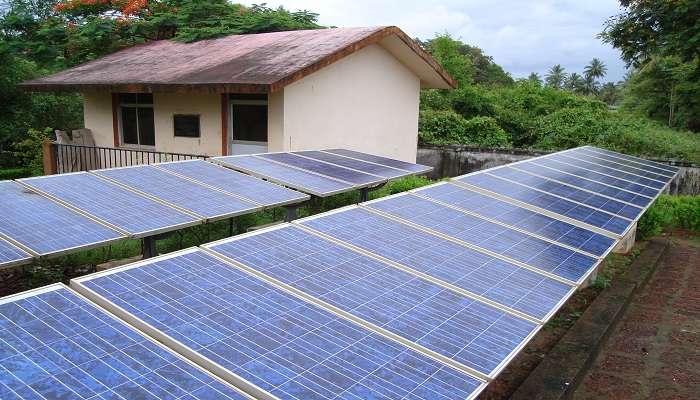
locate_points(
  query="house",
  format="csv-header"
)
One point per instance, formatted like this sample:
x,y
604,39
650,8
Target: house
x,y
355,88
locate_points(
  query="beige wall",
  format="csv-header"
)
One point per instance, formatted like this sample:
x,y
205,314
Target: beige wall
x,y
97,108
367,101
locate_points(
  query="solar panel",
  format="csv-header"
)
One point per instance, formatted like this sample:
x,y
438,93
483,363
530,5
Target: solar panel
x,y
389,162
547,202
207,203
364,166
46,227
608,205
629,163
12,255
122,208
480,336
252,189
573,170
518,217
56,345
344,174
636,160
584,154
606,190
498,280
289,347
294,178
615,173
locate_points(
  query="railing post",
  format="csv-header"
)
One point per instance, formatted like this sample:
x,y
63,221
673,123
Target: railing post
x,y
50,158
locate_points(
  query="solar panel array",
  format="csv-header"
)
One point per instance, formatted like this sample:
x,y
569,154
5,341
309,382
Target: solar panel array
x,y
323,173
422,295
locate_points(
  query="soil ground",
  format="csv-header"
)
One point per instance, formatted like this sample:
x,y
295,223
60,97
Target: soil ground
x,y
654,350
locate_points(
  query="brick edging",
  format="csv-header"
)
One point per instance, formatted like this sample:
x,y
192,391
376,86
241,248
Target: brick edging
x,y
564,366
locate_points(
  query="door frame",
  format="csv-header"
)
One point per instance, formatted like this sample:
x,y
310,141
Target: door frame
x,y
231,140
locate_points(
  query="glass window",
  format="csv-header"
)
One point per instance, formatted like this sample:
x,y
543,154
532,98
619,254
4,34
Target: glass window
x,y
250,122
186,125
136,119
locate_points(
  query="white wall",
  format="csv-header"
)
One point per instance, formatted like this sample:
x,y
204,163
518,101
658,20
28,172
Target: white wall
x,y
97,116
367,101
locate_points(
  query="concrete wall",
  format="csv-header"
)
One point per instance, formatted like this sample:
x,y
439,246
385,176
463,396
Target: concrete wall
x,y
97,116
449,161
367,101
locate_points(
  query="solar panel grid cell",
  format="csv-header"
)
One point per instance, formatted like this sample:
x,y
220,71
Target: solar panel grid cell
x,y
530,221
548,202
638,160
367,167
291,348
245,186
570,193
56,345
582,154
389,162
120,207
294,178
205,202
499,239
616,173
622,195
12,255
569,169
473,333
47,227
631,164
323,168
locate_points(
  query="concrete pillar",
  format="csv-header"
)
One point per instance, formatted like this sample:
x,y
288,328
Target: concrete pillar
x,y
627,241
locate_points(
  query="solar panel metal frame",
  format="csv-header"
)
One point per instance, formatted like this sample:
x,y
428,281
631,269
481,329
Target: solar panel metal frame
x,y
417,192
207,364
18,261
628,163
54,254
104,310
634,159
618,167
264,206
204,218
401,172
221,161
380,180
153,232
489,377
426,169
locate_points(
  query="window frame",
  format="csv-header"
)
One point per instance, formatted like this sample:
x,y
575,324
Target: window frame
x,y
136,105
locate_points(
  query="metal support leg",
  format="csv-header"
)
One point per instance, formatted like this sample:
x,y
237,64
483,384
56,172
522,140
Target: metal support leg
x,y
364,194
149,247
291,213
231,225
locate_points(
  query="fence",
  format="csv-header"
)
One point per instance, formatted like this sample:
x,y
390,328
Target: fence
x,y
64,158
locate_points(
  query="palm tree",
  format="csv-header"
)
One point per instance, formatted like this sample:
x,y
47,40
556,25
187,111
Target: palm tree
x,y
596,69
575,83
534,77
590,85
556,76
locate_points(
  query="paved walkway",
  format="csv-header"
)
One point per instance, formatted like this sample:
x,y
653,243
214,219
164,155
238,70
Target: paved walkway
x,y
654,351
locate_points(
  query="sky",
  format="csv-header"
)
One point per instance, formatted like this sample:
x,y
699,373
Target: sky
x,y
521,36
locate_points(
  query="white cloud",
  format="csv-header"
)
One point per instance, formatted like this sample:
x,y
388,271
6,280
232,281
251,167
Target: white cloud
x,y
521,36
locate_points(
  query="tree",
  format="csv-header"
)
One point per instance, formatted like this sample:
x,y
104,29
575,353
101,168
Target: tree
x,y
535,78
556,76
575,83
655,27
596,69
446,51
609,93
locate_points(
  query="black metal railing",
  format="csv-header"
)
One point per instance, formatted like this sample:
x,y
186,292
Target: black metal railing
x,y
74,158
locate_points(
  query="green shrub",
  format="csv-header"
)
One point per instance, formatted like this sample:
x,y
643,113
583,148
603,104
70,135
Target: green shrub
x,y
485,132
670,212
14,173
440,127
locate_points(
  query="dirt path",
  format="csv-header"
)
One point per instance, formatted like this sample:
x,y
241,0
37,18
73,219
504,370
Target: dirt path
x,y
654,351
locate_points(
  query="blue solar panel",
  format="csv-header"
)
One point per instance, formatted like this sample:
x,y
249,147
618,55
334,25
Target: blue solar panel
x,y
389,162
562,157
498,280
582,154
120,207
548,202
364,166
253,189
56,345
44,226
599,202
499,239
638,166
530,221
619,194
569,169
203,201
294,178
636,160
12,255
291,348
416,309
323,168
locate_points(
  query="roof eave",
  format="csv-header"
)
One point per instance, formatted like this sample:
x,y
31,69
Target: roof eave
x,y
140,87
